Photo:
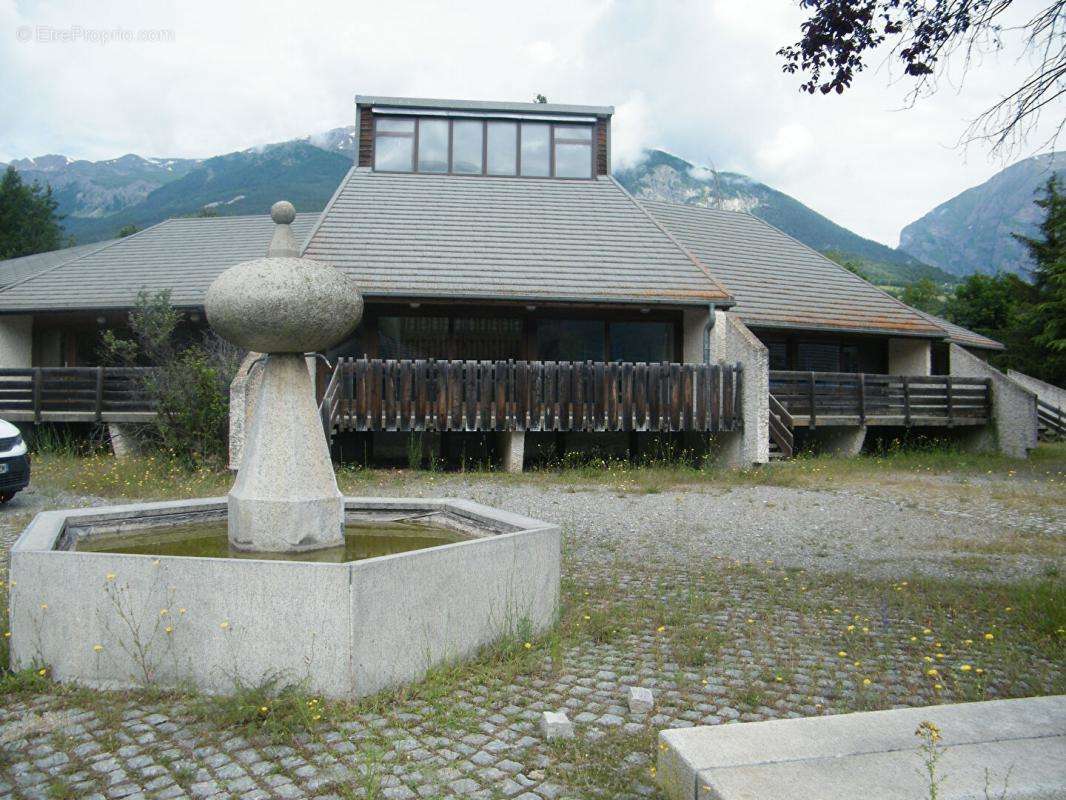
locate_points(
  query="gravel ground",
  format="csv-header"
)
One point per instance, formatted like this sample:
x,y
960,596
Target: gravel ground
x,y
678,596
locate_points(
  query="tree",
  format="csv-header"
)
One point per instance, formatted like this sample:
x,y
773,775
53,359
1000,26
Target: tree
x,y
28,220
849,263
840,36
924,295
1048,314
127,230
541,99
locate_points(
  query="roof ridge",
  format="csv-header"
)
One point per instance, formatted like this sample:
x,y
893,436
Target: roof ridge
x,y
696,262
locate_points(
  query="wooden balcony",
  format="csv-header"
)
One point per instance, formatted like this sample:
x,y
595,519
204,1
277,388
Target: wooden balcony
x,y
838,398
74,394
416,395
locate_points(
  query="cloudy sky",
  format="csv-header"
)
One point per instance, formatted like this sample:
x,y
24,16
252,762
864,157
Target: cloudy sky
x,y
700,79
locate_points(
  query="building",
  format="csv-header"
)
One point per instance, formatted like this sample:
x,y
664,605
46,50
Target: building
x,y
494,232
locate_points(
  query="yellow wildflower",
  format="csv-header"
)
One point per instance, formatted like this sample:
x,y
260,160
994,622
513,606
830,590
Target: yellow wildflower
x,y
97,648
965,667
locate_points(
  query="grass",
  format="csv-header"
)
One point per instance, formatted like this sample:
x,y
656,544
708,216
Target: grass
x,y
271,708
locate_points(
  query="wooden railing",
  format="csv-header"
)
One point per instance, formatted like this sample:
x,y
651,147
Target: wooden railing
x,y
841,398
781,433
1051,421
74,394
390,395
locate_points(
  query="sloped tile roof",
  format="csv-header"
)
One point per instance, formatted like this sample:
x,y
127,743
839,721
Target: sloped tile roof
x,y
505,238
13,270
963,336
779,282
183,255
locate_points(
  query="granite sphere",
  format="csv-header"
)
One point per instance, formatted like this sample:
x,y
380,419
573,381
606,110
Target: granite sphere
x,y
283,212
283,305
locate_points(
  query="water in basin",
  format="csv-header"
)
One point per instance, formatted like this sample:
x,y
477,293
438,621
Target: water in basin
x,y
209,540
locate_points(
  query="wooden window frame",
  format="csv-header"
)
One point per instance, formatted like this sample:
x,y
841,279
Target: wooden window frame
x,y
552,141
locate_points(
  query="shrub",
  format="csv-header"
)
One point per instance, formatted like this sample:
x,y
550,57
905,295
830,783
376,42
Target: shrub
x,y
189,385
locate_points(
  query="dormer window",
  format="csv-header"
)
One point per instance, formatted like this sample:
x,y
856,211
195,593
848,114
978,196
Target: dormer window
x,y
499,147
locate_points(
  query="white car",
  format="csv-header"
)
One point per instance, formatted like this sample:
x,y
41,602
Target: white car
x,y
14,462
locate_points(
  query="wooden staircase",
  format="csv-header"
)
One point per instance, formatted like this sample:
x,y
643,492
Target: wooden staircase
x,y
1051,422
781,434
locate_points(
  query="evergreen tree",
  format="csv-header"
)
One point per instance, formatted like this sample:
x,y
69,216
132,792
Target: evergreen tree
x,y
1049,252
28,220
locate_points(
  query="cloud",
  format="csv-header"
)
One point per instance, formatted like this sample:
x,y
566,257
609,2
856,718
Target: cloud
x,y
697,77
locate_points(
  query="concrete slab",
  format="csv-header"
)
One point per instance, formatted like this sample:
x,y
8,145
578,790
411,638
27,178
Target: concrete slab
x,y
1020,744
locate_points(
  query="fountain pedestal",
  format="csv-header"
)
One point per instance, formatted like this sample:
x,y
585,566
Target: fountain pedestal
x,y
285,498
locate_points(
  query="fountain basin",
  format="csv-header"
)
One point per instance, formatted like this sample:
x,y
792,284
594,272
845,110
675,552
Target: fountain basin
x,y
345,629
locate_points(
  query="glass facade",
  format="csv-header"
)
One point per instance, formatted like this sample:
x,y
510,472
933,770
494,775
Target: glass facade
x,y
641,341
571,340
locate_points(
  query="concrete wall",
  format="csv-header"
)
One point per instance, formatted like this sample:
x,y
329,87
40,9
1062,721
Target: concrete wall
x,y
242,394
348,630
693,321
16,341
1014,427
732,342
910,356
1049,393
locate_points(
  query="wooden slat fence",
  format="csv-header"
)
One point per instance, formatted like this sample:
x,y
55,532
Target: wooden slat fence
x,y
428,395
82,392
823,397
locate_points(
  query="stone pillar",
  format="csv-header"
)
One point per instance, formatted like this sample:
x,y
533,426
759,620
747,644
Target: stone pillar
x,y
285,497
842,440
910,356
732,342
16,341
512,446
242,393
1014,425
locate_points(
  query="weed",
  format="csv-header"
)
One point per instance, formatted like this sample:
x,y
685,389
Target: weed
x,y
270,708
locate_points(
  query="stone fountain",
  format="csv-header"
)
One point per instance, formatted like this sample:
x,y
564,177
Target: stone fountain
x,y
285,498
285,577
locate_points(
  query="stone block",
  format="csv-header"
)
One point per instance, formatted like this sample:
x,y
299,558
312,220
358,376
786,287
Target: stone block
x,y
985,746
556,725
641,700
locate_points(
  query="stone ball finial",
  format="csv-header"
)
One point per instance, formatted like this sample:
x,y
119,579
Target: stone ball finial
x,y
283,303
283,212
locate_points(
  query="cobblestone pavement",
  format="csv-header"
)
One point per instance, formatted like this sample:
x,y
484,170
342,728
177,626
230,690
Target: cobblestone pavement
x,y
652,599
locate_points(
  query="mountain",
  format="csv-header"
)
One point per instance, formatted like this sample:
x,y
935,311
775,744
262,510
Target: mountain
x,y
97,189
99,198
662,176
247,182
971,232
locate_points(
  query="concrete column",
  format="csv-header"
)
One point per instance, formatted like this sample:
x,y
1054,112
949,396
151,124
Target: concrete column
x,y
242,393
693,322
1014,425
732,342
512,446
122,438
910,357
844,440
16,341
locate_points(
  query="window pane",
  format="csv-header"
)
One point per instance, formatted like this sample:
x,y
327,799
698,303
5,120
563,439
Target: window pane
x,y
573,160
582,133
535,149
642,341
466,147
392,125
570,340
393,153
433,145
503,142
